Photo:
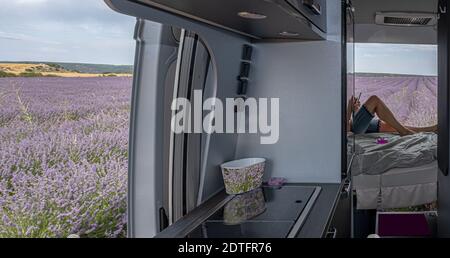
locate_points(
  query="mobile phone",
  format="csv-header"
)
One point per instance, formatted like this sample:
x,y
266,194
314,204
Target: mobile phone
x,y
359,97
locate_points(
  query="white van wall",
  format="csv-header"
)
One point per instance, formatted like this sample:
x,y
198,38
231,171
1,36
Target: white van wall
x,y
306,76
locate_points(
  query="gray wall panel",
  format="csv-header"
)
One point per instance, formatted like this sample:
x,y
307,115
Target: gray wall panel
x,y
306,76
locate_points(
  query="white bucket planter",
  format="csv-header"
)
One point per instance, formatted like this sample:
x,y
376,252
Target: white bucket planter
x,y
243,175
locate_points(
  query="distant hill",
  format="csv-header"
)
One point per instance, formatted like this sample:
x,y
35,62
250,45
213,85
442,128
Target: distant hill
x,y
84,68
389,75
96,68
36,69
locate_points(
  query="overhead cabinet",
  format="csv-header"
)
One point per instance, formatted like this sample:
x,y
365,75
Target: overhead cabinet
x,y
314,10
258,19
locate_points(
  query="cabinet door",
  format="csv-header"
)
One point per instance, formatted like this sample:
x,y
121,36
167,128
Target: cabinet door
x,y
341,222
314,10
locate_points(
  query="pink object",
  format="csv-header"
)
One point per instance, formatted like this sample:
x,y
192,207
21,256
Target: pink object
x,y
382,140
276,181
403,224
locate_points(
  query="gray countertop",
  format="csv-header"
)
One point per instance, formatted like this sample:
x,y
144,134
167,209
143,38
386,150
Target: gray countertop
x,y
314,226
317,221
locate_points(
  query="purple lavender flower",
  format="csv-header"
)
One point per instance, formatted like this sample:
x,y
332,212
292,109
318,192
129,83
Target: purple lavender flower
x,y
64,156
413,99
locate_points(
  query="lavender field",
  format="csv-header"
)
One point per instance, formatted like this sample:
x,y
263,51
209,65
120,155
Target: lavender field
x,y
413,99
64,149
63,156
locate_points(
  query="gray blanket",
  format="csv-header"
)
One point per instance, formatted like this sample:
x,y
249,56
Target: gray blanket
x,y
400,152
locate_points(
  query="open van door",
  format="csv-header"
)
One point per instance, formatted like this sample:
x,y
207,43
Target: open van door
x,y
147,190
443,81
443,118
173,186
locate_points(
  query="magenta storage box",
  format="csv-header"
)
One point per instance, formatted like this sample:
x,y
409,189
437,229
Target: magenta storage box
x,y
405,224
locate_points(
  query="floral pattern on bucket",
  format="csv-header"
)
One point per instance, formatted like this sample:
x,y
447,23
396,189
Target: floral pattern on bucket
x,y
244,179
244,206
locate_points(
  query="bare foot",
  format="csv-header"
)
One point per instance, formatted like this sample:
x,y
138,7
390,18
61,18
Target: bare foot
x,y
407,132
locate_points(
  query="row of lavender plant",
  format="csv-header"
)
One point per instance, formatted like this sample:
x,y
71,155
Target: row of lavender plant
x,y
413,99
63,156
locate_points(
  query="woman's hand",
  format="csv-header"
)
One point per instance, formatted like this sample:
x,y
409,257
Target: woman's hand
x,y
353,106
354,103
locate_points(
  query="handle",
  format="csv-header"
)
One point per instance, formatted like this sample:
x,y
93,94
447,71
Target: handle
x,y
313,6
332,233
345,189
442,8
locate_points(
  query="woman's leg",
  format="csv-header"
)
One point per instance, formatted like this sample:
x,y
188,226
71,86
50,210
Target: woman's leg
x,y
386,128
432,129
376,106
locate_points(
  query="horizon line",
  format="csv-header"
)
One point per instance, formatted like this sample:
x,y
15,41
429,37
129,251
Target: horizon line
x,y
64,62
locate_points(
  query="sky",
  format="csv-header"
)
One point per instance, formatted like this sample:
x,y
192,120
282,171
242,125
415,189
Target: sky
x,y
396,58
86,31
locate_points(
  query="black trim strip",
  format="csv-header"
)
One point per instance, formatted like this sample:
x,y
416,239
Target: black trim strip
x,y
443,88
344,89
185,136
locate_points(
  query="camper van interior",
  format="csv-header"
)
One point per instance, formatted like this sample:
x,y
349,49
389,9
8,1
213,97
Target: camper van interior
x,y
331,180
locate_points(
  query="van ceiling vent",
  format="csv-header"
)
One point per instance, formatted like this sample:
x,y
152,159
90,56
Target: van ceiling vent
x,y
406,19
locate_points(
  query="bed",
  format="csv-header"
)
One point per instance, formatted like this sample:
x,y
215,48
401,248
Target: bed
x,y
398,174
